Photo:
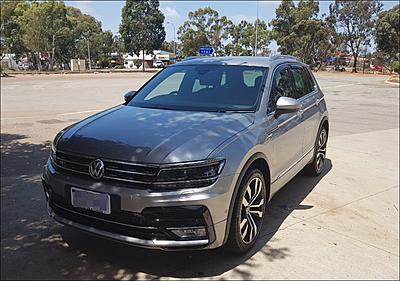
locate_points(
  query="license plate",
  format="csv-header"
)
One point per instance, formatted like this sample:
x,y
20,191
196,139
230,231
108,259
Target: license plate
x,y
89,200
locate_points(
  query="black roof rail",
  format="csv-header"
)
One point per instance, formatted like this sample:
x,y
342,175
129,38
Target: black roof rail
x,y
278,57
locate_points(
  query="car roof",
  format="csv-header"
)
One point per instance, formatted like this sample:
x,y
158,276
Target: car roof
x,y
239,60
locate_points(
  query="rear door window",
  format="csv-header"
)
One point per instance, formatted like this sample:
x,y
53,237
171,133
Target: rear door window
x,y
301,87
310,80
303,81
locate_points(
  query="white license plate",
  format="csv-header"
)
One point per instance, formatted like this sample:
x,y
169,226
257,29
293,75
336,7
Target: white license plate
x,y
89,200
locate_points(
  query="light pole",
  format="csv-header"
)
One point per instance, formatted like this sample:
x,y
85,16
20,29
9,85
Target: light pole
x,y
256,44
174,37
88,51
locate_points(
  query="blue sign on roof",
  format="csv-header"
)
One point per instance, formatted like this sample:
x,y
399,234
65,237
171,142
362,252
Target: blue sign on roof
x,y
206,50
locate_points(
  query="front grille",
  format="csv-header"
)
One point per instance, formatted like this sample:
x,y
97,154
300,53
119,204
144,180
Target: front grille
x,y
142,174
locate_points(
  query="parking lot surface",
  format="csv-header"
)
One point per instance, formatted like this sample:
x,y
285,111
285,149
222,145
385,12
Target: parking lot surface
x,y
343,224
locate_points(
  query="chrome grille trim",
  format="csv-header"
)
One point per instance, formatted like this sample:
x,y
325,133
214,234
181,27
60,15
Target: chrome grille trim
x,y
130,172
142,174
119,170
70,161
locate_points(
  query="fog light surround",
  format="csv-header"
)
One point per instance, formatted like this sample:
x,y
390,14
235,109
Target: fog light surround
x,y
190,232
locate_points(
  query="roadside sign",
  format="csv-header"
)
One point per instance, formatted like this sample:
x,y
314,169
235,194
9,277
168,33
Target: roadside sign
x,y
206,50
330,59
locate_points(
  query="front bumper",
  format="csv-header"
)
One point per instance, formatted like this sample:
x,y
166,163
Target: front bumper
x,y
141,217
71,218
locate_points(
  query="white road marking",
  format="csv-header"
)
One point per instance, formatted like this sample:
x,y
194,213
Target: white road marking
x,y
52,115
79,112
339,86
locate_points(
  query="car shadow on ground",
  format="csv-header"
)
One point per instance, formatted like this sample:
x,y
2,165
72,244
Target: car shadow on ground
x,y
35,247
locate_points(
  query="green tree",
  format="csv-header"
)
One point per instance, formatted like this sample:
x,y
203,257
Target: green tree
x,y
46,30
355,21
142,27
243,37
204,27
172,47
299,32
168,46
89,37
10,30
85,29
387,36
118,45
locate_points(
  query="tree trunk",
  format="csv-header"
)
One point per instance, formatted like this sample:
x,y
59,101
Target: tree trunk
x,y
51,61
355,64
143,61
39,62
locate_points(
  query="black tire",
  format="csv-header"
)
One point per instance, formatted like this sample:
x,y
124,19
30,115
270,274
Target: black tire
x,y
236,243
316,167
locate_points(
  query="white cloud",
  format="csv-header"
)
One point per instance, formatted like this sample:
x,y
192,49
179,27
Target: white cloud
x,y
170,13
86,7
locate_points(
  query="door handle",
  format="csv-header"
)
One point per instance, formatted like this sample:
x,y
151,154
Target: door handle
x,y
317,102
300,113
268,137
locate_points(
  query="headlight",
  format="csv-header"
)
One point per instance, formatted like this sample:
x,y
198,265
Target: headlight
x,y
53,151
191,175
55,141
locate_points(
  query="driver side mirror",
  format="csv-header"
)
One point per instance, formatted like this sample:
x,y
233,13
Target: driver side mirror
x,y
129,95
286,105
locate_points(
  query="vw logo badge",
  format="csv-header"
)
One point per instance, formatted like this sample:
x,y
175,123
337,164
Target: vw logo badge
x,y
96,169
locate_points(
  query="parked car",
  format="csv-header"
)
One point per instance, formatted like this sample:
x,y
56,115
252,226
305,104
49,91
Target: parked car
x,y
191,159
378,68
25,66
159,64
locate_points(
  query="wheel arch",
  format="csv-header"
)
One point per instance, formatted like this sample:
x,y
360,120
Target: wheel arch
x,y
258,160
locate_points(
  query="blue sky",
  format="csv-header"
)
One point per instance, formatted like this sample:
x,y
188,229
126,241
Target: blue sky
x,y
109,12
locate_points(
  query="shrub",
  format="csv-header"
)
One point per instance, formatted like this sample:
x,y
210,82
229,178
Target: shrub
x,y
137,63
396,66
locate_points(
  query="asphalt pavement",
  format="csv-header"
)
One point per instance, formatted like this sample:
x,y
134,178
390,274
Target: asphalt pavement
x,y
343,224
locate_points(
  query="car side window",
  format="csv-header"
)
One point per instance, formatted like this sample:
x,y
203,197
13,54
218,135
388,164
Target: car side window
x,y
310,80
282,86
303,81
302,86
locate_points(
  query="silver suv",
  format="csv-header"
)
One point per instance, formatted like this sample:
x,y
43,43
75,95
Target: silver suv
x,y
191,159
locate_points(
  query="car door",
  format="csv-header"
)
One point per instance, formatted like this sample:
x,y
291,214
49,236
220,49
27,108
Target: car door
x,y
287,133
308,96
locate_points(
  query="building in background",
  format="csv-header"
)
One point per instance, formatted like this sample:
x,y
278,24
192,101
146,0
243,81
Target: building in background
x,y
134,61
8,61
78,65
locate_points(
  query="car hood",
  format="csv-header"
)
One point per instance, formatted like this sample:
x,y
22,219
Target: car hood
x,y
149,135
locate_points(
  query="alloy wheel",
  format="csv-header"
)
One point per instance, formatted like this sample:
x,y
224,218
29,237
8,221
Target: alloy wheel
x,y
252,209
321,149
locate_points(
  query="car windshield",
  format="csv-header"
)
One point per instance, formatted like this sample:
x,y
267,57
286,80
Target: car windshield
x,y
203,88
